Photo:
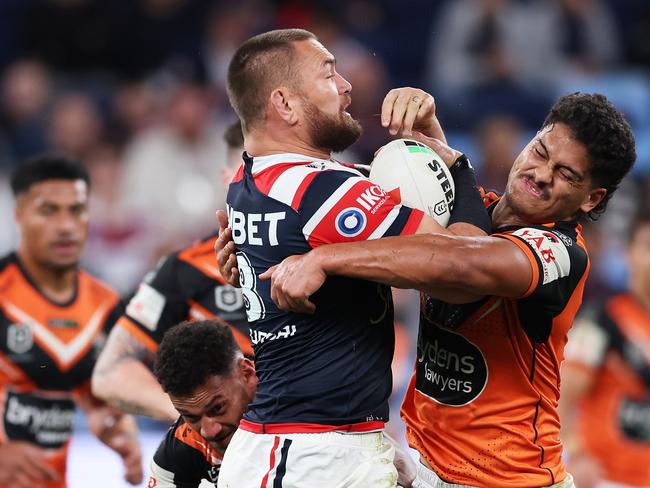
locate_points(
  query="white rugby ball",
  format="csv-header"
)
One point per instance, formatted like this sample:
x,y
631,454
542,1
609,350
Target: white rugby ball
x,y
418,175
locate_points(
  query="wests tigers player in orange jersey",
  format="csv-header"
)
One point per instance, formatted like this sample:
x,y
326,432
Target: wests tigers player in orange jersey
x,y
605,394
52,320
481,407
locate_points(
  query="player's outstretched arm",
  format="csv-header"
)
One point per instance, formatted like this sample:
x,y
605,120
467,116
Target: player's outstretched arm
x,y
457,269
117,430
24,465
123,379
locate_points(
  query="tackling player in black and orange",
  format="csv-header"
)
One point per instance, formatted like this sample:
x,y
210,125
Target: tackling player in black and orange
x,y
210,383
53,319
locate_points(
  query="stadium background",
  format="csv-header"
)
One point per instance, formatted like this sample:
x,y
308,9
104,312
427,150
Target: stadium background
x,y
135,89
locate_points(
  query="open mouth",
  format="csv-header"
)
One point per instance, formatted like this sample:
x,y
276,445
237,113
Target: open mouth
x,y
532,188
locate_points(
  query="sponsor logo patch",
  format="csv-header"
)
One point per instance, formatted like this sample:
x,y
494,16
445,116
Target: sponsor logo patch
x,y
551,251
146,306
43,421
350,222
450,369
228,298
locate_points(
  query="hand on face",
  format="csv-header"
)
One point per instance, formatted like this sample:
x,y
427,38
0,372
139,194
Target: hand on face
x,y
407,109
293,281
224,248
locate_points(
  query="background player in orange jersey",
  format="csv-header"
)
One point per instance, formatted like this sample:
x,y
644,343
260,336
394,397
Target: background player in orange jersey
x,y
186,285
481,405
53,319
604,404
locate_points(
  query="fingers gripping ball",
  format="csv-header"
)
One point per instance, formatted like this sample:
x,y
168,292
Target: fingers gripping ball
x,y
415,174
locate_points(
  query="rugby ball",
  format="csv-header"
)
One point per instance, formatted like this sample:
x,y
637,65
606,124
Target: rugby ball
x,y
415,174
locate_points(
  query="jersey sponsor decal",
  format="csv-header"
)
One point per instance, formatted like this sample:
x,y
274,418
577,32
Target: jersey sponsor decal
x,y
260,337
228,298
19,338
248,228
372,198
551,251
350,222
44,421
450,369
147,306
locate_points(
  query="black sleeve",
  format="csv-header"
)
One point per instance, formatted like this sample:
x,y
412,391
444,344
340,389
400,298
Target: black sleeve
x,y
160,301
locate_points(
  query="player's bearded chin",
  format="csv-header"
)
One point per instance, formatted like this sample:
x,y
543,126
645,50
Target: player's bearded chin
x,y
334,133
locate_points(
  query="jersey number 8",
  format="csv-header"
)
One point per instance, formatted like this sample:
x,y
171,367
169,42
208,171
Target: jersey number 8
x,y
248,280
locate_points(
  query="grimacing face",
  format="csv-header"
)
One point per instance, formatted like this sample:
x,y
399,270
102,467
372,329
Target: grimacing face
x,y
550,180
52,216
215,408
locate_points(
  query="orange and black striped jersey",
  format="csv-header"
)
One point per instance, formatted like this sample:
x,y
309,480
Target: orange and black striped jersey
x,y
481,407
186,285
184,459
47,353
612,340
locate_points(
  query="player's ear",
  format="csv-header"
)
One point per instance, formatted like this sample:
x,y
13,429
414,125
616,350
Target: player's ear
x,y
284,104
247,368
593,199
248,375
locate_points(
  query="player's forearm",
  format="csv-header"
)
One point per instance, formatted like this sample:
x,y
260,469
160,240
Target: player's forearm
x,y
131,387
416,262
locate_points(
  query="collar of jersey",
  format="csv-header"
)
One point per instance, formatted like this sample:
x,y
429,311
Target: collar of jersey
x,y
260,163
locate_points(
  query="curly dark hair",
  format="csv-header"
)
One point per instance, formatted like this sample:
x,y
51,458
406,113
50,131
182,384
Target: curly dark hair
x,y
191,352
607,136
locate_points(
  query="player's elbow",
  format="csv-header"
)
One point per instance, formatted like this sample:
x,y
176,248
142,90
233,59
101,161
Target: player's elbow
x,y
103,383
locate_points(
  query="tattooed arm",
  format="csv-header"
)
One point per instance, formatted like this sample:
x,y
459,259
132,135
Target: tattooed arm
x,y
123,378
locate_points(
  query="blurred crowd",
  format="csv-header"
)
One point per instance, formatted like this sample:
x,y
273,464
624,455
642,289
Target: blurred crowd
x,y
135,90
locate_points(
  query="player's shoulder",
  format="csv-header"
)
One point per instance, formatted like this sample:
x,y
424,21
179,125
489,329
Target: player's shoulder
x,y
556,250
287,177
7,260
96,285
8,263
565,235
200,256
187,268
183,442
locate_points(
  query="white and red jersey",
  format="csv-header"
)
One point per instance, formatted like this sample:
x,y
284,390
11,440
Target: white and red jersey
x,y
331,368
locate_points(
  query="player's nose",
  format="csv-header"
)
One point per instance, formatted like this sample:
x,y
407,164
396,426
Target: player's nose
x,y
210,428
543,173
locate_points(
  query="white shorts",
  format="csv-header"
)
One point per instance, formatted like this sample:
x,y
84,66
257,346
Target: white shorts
x,y
321,460
427,478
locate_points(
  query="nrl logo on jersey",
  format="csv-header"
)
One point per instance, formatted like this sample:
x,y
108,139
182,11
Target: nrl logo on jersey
x,y
19,338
